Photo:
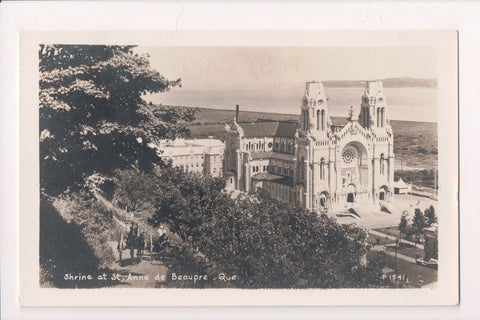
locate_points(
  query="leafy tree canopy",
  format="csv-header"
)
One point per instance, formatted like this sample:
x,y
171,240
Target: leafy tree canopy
x,y
93,117
403,225
430,215
264,242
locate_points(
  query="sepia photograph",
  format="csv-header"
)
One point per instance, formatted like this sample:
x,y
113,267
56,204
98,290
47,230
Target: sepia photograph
x,y
239,160
238,167
241,169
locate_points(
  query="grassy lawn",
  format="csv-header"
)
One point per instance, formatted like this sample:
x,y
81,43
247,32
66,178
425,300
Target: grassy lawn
x,y
372,239
408,250
391,231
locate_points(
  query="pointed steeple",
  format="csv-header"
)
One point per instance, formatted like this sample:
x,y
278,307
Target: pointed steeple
x,y
314,117
374,108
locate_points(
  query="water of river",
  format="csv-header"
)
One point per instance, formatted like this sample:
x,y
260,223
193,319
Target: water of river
x,y
410,103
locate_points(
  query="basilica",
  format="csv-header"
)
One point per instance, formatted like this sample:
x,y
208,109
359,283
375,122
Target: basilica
x,y
315,163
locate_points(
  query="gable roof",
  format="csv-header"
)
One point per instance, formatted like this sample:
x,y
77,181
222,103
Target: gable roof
x,y
284,129
400,184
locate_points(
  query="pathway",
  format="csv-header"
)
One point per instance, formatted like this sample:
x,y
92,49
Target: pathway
x,y
388,236
399,255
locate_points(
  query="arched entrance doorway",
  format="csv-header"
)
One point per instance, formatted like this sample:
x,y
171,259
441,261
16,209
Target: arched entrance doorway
x,y
351,193
383,193
350,197
323,198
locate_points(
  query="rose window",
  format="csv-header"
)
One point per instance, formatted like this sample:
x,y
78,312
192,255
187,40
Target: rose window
x,y
348,156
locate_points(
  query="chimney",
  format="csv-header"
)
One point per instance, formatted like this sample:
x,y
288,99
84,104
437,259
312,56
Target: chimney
x,y
237,112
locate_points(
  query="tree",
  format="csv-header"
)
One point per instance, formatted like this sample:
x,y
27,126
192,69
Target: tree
x,y
93,117
264,242
418,224
430,215
134,190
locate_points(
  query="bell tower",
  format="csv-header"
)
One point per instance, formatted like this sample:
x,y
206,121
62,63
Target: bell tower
x,y
314,117
374,113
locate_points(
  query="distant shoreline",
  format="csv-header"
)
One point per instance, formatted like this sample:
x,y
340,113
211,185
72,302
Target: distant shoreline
x,y
262,113
387,83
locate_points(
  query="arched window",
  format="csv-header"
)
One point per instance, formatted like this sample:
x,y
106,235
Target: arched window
x,y
322,169
382,164
323,120
302,169
383,117
378,117
318,119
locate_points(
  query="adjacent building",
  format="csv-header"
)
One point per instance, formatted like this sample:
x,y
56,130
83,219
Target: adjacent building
x,y
203,156
315,163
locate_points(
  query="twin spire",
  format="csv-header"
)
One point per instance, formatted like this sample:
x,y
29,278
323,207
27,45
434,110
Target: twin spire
x,y
314,116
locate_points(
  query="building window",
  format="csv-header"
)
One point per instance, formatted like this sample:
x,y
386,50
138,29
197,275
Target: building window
x,y
348,156
382,164
383,117
323,120
318,119
302,169
322,169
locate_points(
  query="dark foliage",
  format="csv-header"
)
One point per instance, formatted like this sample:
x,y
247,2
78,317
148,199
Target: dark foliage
x,y
63,248
265,243
92,114
424,178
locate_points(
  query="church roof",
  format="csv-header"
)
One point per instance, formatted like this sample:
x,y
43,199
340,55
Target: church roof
x,y
272,155
267,176
284,129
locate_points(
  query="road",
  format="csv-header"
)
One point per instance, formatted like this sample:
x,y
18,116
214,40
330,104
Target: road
x,y
399,255
387,236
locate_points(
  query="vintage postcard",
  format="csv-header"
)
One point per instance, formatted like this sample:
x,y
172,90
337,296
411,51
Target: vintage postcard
x,y
238,168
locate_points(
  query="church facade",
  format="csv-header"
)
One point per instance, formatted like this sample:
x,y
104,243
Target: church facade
x,y
315,163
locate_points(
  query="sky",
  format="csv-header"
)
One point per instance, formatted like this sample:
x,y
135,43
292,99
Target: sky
x,y
231,67
272,79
